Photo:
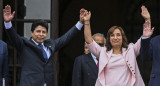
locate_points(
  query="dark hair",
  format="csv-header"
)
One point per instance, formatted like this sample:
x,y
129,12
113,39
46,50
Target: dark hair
x,y
124,38
41,23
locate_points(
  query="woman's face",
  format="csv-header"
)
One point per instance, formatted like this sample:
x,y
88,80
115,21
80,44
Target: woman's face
x,y
116,38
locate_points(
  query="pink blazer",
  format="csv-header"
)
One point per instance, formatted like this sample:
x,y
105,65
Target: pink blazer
x,y
129,55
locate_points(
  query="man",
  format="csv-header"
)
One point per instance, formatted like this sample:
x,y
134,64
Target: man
x,y
3,64
150,50
86,50
37,54
85,69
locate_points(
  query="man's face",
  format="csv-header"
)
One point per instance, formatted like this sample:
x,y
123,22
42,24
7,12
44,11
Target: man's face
x,y
39,34
99,40
86,50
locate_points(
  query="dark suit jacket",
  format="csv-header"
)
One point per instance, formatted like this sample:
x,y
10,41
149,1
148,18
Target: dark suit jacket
x,y
150,51
35,71
3,63
85,71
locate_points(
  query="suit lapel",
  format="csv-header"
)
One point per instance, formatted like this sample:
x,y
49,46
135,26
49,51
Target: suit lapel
x,y
38,50
50,47
92,64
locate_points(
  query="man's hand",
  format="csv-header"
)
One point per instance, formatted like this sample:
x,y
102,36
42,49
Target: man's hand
x,y
147,31
82,13
8,16
87,16
145,14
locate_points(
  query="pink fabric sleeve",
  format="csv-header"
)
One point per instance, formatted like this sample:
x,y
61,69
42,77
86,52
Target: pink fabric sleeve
x,y
137,47
94,48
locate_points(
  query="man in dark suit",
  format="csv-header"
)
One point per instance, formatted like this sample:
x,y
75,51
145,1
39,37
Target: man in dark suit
x,y
85,69
37,54
3,64
150,50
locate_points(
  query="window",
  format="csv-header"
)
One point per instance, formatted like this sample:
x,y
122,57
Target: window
x,y
28,11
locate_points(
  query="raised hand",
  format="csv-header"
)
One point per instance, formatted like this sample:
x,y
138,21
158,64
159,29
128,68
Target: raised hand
x,y
82,13
8,16
87,27
87,16
145,14
147,31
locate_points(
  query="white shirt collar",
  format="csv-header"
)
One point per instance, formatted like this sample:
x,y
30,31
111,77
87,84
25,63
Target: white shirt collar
x,y
94,58
37,43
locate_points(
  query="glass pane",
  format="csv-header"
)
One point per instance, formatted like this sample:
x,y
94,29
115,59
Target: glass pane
x,y
27,30
37,9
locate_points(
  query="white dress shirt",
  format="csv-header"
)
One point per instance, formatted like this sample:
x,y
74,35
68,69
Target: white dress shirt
x,y
94,58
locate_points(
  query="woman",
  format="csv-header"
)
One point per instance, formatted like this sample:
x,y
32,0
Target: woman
x,y
117,61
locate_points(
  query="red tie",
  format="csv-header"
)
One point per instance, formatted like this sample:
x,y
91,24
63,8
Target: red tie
x,y
98,62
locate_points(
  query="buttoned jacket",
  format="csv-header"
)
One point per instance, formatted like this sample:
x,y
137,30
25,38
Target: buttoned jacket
x,y
35,70
150,51
85,71
4,63
129,56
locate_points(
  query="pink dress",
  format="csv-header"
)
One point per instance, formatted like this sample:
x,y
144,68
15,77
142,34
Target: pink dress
x,y
117,70
116,62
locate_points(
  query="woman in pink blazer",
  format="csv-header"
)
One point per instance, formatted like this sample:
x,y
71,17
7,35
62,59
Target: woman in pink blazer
x,y
117,60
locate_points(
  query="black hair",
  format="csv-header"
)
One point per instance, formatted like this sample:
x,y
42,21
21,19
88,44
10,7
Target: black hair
x,y
41,22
